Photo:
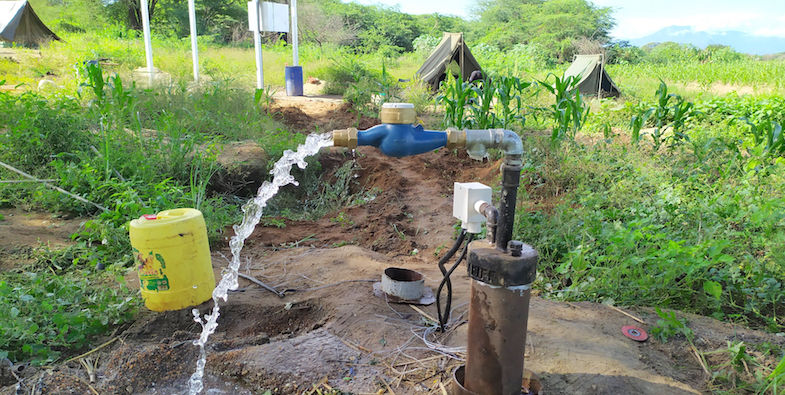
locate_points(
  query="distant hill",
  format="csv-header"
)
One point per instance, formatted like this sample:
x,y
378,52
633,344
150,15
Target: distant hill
x,y
740,41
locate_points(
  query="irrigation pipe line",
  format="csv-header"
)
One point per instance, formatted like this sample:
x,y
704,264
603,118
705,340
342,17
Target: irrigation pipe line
x,y
21,181
46,183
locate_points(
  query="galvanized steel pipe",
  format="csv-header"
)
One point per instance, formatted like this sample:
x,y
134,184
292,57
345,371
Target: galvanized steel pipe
x,y
498,317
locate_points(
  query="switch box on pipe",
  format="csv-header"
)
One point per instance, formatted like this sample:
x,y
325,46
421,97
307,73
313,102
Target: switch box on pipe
x,y
467,194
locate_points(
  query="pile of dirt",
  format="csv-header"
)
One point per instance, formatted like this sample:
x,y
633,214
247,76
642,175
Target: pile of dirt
x,y
307,114
410,211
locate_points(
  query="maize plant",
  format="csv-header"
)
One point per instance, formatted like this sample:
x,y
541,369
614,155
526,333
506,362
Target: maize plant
x,y
569,112
456,95
480,105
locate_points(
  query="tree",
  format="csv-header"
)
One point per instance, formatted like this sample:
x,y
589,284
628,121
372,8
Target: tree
x,y
315,24
436,24
553,24
378,27
71,15
129,12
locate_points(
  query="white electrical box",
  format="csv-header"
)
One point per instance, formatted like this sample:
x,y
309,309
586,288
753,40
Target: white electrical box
x,y
268,17
463,207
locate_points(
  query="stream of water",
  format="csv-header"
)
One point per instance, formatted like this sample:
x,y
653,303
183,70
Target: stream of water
x,y
252,214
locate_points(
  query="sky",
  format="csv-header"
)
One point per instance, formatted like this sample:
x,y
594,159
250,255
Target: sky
x,y
638,18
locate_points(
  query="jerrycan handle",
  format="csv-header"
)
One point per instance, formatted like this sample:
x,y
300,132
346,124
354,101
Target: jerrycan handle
x,y
176,213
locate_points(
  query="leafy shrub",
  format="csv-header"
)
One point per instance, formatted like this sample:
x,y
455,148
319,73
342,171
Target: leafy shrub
x,y
40,129
660,231
46,314
425,44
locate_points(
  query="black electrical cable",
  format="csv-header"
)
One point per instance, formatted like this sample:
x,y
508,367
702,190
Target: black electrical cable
x,y
443,269
446,280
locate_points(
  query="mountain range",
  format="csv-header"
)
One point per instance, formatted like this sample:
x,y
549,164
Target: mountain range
x,y
740,41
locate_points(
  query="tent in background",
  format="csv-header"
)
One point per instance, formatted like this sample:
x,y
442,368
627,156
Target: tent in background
x,y
451,54
594,80
20,25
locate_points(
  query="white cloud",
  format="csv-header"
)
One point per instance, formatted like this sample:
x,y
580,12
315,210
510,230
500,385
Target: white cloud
x,y
778,31
749,22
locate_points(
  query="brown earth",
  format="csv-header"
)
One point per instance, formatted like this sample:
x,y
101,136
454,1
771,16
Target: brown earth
x,y
22,231
330,331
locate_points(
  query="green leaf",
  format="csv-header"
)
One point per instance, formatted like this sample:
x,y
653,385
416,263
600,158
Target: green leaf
x,y
58,319
779,370
713,288
14,312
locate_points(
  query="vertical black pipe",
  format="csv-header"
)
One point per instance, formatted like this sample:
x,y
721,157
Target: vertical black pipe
x,y
511,179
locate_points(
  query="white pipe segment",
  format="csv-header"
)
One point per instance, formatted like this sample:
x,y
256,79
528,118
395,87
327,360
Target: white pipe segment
x,y
148,44
194,45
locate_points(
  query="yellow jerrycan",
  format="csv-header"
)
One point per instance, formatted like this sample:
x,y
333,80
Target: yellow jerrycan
x,y
172,257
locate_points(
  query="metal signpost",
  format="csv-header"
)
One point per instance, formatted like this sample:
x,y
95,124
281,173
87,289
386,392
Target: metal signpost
x,y
194,46
148,44
265,17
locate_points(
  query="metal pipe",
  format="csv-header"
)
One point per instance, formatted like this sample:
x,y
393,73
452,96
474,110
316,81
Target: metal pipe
x,y
498,317
194,44
477,143
148,44
295,40
257,44
511,179
492,215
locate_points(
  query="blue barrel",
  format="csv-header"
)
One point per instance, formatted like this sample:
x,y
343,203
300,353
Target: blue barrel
x,y
294,80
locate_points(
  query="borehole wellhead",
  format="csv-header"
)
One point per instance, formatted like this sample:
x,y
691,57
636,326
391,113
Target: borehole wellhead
x,y
502,270
498,317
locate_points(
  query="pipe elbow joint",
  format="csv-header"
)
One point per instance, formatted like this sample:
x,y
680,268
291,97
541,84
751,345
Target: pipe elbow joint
x,y
491,213
479,141
512,146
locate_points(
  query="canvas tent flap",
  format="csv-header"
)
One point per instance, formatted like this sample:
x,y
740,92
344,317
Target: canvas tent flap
x,y
593,76
452,49
20,24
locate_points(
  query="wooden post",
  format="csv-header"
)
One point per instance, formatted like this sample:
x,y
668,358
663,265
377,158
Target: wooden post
x,y
602,66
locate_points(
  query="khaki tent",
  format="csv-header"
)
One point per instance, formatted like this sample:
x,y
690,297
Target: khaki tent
x,y
20,25
452,55
594,80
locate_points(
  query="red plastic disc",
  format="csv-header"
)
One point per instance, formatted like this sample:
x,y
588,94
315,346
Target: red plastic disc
x,y
634,333
150,216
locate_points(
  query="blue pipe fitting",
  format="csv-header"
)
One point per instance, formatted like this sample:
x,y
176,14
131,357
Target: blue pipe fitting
x,y
399,140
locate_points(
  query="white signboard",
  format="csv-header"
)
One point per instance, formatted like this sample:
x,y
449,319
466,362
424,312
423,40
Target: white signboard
x,y
270,17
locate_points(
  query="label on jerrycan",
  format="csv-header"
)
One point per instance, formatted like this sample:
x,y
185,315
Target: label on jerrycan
x,y
151,271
